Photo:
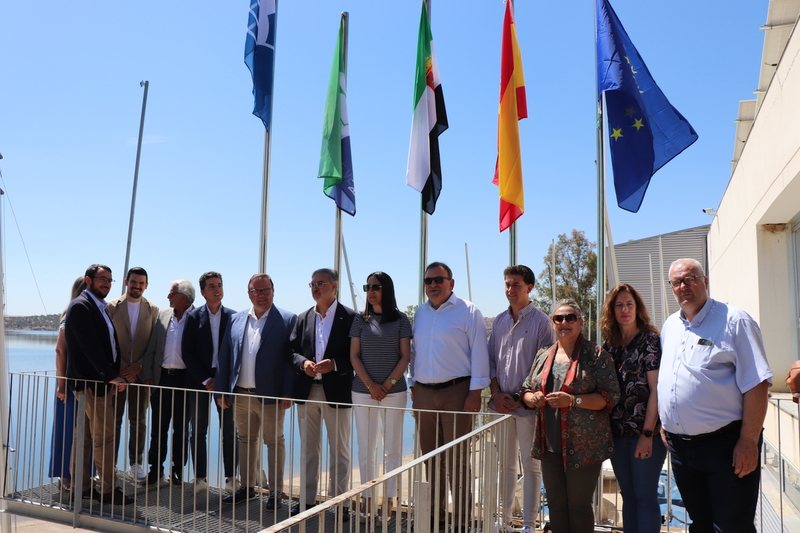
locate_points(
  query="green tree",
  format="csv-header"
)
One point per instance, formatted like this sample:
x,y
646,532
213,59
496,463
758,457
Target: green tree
x,y
575,275
410,310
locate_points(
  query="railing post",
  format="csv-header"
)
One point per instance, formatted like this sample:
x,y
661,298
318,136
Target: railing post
x,y
77,450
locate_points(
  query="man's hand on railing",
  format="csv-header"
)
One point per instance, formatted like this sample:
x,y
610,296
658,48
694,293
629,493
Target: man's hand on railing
x,y
120,383
223,402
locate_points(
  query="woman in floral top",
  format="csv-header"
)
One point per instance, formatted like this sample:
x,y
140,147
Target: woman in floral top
x,y
633,342
573,387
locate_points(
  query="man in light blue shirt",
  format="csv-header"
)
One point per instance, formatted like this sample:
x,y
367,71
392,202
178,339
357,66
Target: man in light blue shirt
x,y
712,400
448,370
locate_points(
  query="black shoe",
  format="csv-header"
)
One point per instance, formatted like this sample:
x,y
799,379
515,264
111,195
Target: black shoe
x,y
154,477
115,497
274,502
175,479
345,514
241,494
296,508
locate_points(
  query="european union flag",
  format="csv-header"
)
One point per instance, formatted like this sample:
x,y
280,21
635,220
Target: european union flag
x,y
259,56
645,131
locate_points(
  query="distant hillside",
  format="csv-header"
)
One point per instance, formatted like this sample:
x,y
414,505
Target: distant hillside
x,y
38,323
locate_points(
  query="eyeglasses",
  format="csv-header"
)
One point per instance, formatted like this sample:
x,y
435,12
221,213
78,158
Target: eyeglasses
x,y
262,292
103,279
570,318
173,293
374,287
688,281
436,279
319,284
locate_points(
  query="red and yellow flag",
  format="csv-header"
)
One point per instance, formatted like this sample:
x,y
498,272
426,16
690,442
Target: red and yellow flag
x,y
513,108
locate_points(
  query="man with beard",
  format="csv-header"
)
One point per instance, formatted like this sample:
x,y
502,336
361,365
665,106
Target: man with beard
x,y
133,318
93,370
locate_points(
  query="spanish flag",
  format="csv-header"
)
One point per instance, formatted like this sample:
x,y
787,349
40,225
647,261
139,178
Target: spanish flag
x,y
513,108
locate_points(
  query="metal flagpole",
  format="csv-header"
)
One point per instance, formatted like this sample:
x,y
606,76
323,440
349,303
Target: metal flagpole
x,y
469,279
349,277
423,223
5,518
337,239
600,216
265,168
512,244
146,85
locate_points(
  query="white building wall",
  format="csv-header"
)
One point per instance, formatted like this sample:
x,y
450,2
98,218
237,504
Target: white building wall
x,y
751,252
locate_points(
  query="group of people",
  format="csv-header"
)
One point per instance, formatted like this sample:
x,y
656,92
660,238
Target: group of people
x,y
573,403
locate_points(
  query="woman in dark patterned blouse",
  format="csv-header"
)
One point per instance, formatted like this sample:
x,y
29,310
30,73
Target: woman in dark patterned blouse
x,y
380,348
573,387
639,456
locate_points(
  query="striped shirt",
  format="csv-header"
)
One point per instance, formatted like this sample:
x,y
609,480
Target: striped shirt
x,y
380,349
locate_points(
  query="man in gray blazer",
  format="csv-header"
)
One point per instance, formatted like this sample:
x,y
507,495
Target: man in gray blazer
x,y
255,362
133,317
164,366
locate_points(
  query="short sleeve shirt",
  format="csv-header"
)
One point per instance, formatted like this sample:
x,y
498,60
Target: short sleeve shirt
x,y
380,349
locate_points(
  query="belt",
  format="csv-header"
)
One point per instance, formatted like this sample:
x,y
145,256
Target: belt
x,y
444,384
172,371
237,388
704,436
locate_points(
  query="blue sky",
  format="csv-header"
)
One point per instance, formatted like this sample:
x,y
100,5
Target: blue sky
x,y
71,103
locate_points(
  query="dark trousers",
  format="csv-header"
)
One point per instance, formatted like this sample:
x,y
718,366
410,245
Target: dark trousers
x,y
715,497
198,412
168,406
569,494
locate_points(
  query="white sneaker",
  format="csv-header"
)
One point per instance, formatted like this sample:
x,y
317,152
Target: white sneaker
x,y
527,529
231,484
500,527
137,473
196,487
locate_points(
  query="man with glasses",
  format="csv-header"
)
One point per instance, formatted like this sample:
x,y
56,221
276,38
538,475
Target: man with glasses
x,y
202,336
712,400
93,359
449,368
255,362
133,316
321,346
164,366
518,333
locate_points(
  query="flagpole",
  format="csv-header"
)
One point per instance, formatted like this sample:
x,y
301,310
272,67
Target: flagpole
x,y
5,518
600,216
146,85
512,244
337,239
265,168
423,223
349,276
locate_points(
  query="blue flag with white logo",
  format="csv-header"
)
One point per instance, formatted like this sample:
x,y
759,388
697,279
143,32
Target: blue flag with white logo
x,y
259,56
644,131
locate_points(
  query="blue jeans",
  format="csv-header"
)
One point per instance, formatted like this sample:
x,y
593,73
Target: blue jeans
x,y
638,483
715,497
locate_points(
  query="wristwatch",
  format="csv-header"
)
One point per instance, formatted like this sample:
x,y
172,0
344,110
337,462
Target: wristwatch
x,y
392,380
578,401
648,433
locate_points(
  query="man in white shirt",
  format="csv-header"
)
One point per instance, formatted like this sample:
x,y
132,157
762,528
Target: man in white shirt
x,y
449,368
712,400
255,362
164,366
133,317
202,337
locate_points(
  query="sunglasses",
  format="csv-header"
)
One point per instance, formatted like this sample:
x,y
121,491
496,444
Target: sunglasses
x,y
570,318
374,287
438,280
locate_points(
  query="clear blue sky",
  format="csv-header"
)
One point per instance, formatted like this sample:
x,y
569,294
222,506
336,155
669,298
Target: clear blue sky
x,y
71,103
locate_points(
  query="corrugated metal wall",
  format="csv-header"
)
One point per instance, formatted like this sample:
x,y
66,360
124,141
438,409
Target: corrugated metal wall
x,y
640,261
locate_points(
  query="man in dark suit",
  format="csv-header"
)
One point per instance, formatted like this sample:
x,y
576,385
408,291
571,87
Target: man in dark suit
x,y
93,369
164,367
321,350
133,317
255,361
202,337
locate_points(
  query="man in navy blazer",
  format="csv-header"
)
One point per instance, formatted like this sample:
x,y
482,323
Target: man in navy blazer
x,y
321,350
255,362
202,337
93,358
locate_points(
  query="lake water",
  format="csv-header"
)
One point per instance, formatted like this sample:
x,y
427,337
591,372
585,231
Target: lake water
x,y
34,351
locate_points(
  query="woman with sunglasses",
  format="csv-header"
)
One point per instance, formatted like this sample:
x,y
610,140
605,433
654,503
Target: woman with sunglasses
x,y
633,342
380,349
573,387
